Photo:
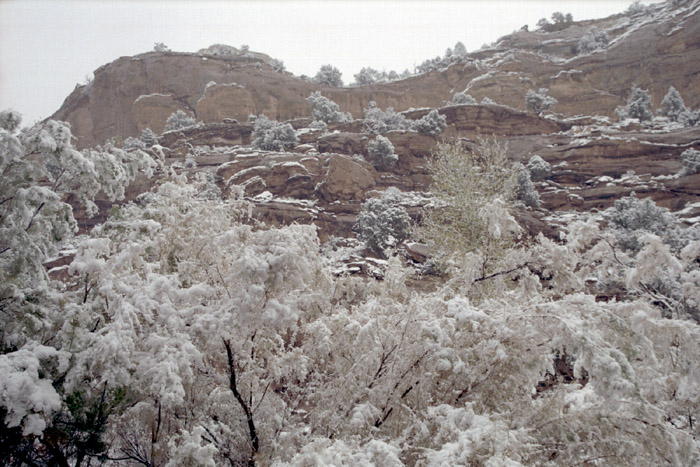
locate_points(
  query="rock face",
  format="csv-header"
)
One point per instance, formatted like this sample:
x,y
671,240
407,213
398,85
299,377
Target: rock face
x,y
325,179
653,51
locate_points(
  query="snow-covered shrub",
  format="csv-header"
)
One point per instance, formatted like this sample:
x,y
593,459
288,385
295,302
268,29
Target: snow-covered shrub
x,y
594,39
431,124
10,120
325,110
382,222
277,65
525,189
632,217
271,135
539,168
381,121
459,54
133,143
178,120
381,153
473,191
673,107
636,8
149,138
367,75
319,125
328,75
561,18
638,106
160,47
488,101
539,101
691,161
460,98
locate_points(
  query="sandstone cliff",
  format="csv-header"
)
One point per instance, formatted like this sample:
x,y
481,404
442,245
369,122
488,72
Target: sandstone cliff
x,y
654,51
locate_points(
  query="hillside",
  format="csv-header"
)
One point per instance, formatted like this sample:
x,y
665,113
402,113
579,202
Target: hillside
x,y
501,270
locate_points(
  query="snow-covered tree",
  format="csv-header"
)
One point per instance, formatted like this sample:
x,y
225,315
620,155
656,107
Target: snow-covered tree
x,y
473,191
632,217
636,8
149,138
593,39
381,153
672,105
49,414
179,120
561,18
539,101
525,189
638,105
433,123
539,168
381,121
328,75
382,222
459,50
691,161
160,47
277,65
325,110
271,135
462,98
367,75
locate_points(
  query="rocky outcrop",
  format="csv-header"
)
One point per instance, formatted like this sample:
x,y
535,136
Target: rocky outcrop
x,y
653,51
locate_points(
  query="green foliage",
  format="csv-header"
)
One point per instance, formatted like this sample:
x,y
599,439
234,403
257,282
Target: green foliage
x,y
466,184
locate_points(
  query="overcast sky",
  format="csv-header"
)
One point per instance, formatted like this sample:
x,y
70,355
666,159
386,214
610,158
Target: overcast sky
x,y
48,46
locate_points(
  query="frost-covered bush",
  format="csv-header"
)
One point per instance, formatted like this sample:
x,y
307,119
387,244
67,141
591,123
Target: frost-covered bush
x,y
271,135
367,75
381,121
133,143
10,120
452,56
160,47
539,101
473,191
461,98
561,18
328,75
636,8
325,110
277,65
319,125
525,189
632,217
431,124
594,39
149,138
539,168
673,107
178,120
638,106
381,153
691,161
383,223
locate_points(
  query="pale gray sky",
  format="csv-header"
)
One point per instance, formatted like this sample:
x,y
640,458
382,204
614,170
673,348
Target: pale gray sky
x,y
48,46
